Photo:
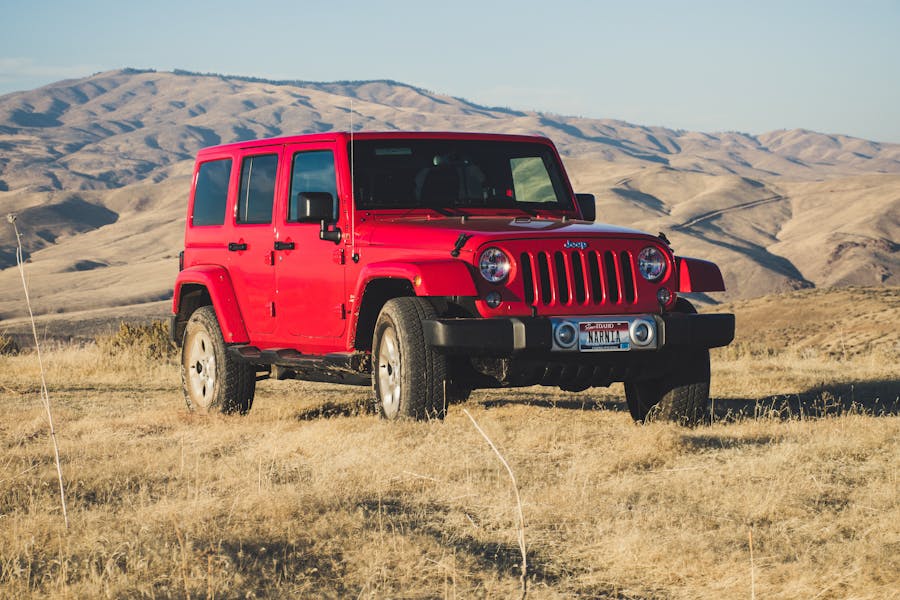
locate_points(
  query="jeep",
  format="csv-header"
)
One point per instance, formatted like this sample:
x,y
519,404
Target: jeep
x,y
428,265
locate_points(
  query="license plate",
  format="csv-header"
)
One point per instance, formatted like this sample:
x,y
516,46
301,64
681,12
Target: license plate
x,y
604,336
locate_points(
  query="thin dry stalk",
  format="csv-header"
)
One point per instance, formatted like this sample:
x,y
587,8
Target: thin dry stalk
x,y
752,569
184,563
515,486
210,595
45,395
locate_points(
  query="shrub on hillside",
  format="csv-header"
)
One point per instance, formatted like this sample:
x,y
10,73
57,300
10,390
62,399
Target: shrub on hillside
x,y
8,345
150,340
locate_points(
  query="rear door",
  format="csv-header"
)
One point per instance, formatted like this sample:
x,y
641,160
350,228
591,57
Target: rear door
x,y
204,243
309,271
250,245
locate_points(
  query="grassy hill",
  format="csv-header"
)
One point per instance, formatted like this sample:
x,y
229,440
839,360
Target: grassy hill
x,y
98,171
791,492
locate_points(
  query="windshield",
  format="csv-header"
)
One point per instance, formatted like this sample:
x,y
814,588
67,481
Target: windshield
x,y
447,174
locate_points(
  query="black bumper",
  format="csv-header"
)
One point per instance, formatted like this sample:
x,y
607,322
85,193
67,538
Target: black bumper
x,y
510,335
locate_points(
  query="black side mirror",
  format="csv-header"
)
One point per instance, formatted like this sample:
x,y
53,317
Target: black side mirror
x,y
321,207
587,206
313,207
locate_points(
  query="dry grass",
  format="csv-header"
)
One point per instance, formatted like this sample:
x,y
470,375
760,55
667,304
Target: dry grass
x,y
149,340
8,345
298,499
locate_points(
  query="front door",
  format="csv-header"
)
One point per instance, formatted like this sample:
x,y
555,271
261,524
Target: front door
x,y
309,271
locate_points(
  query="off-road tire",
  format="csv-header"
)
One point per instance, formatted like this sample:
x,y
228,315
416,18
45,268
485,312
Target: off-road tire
x,y
682,394
211,378
408,377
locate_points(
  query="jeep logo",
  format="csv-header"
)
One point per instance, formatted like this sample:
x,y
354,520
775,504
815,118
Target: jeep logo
x,y
571,244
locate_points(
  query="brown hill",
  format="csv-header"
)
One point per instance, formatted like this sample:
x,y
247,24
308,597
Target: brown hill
x,y
98,171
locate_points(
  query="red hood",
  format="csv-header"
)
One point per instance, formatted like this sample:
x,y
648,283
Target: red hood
x,y
555,263
441,233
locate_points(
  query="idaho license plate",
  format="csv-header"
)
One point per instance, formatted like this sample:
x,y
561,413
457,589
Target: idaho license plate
x,y
604,336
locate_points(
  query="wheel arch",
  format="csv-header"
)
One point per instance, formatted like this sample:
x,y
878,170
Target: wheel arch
x,y
189,298
205,286
434,280
375,295
695,275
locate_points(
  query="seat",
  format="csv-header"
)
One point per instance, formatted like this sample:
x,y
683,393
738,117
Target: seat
x,y
439,186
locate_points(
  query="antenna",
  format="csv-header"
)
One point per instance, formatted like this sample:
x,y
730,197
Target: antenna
x,y
352,180
352,211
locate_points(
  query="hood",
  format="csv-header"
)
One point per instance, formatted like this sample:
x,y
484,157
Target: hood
x,y
441,233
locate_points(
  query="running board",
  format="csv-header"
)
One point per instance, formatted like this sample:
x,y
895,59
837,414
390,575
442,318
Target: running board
x,y
351,368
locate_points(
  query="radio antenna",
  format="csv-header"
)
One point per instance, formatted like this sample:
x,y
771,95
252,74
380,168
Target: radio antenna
x,y
352,211
352,180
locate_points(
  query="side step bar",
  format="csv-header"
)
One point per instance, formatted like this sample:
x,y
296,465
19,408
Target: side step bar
x,y
351,368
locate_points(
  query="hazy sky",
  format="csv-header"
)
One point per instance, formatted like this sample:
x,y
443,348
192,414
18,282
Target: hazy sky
x,y
718,65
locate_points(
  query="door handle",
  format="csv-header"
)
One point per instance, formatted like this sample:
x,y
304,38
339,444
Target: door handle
x,y
284,245
236,247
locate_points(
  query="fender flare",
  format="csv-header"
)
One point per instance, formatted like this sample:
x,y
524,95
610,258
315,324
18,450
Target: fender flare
x,y
695,275
216,281
442,277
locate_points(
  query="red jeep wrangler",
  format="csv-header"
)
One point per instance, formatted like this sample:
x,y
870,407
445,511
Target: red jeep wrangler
x,y
428,264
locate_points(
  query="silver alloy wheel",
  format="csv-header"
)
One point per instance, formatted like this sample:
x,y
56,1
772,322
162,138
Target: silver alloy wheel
x,y
201,369
389,372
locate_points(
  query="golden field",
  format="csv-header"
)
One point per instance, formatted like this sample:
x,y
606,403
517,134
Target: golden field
x,y
310,495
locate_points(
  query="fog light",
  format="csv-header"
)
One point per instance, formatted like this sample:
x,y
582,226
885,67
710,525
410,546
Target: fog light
x,y
493,299
566,335
642,333
664,296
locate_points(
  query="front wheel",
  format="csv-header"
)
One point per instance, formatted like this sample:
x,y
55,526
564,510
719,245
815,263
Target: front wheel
x,y
211,378
680,396
409,378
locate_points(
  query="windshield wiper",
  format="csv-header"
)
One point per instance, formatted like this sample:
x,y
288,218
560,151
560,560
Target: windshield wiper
x,y
441,209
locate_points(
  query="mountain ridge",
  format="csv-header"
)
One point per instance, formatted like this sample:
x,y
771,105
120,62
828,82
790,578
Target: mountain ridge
x,y
781,210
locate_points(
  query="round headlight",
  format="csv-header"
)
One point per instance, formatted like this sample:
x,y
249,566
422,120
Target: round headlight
x,y
494,265
651,264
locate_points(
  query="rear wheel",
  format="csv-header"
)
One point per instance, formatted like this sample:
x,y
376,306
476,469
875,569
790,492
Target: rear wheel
x,y
680,396
212,379
409,378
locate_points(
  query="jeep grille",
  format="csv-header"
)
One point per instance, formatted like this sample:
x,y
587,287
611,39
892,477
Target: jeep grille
x,y
578,277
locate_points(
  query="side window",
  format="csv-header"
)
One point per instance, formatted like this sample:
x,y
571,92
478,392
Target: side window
x,y
312,172
211,192
257,189
531,180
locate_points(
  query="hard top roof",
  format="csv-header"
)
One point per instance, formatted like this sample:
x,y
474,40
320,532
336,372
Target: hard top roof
x,y
344,137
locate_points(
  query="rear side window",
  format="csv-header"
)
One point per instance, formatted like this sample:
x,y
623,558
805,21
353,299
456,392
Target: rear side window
x,y
211,192
257,189
313,172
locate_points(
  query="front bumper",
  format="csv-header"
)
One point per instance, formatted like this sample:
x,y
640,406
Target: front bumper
x,y
512,335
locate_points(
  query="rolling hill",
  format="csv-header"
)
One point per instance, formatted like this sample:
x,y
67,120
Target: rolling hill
x,y
98,170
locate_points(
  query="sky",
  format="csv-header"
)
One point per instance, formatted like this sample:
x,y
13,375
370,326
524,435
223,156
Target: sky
x,y
723,65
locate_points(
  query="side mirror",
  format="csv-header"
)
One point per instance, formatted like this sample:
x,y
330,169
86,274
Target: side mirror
x,y
587,206
321,207
313,207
